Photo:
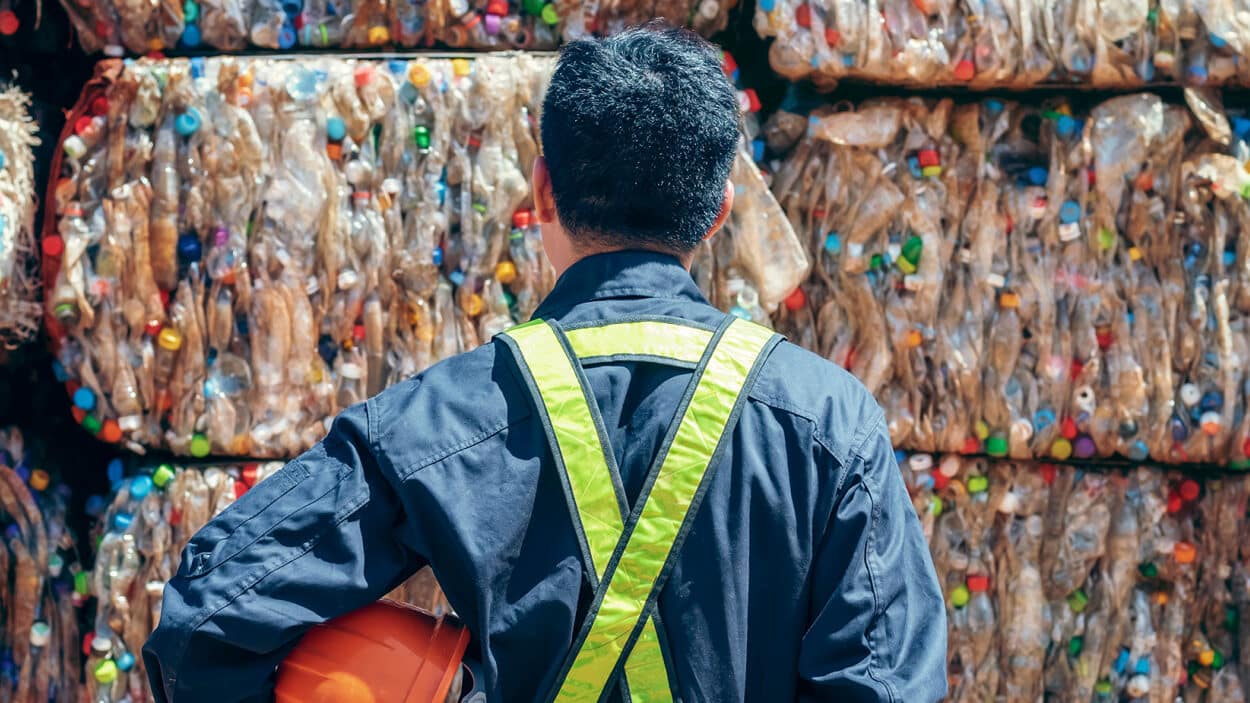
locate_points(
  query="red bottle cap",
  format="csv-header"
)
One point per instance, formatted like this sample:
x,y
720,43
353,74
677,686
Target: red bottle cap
x,y
1010,224
1090,178
521,219
1190,490
1104,339
803,15
52,245
1077,365
928,157
753,100
978,583
1174,502
832,37
1048,473
87,640
100,106
796,299
164,298
82,124
358,332
153,328
939,480
728,63
8,23
363,74
1145,181
249,474
972,445
1068,429
1245,447
965,70
497,7
175,516
110,432
78,413
239,489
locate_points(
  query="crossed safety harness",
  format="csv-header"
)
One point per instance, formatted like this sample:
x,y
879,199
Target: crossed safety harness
x,y
628,553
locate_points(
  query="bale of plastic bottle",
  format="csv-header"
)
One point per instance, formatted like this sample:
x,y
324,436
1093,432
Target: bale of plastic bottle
x,y
20,311
118,28
1027,280
1070,583
41,582
924,43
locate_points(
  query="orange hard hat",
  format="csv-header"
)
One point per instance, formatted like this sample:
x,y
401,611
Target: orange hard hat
x,y
386,652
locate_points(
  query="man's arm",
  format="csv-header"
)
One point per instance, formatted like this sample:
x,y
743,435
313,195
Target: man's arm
x,y
323,536
878,621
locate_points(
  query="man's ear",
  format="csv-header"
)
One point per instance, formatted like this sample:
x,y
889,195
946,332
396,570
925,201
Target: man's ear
x,y
544,199
726,206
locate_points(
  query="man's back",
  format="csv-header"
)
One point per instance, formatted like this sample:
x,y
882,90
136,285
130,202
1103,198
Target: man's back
x,y
796,577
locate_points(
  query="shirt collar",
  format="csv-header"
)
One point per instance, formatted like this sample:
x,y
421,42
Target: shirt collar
x,y
620,274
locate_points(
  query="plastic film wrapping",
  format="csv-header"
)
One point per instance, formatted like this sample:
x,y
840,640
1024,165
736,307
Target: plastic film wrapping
x,y
924,43
1029,281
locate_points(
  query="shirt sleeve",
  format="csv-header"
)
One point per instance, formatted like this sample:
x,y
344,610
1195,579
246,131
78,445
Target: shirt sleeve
x,y
321,537
877,629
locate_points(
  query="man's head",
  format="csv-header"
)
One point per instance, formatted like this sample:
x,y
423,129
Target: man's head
x,y
639,132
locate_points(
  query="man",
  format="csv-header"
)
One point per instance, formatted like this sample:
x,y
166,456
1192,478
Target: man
x,y
637,494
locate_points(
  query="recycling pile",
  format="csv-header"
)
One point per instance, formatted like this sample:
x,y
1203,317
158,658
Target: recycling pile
x,y
120,26
1019,44
1024,281
1084,585
41,583
19,279
142,530
191,309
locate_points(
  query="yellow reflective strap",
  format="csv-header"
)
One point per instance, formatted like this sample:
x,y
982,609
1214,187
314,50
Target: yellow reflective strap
x,y
642,338
589,478
663,515
578,440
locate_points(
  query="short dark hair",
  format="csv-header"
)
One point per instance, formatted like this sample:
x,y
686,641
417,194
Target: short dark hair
x,y
640,131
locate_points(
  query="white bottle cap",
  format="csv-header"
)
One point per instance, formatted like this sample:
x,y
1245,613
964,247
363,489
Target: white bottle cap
x,y
40,634
1190,395
920,462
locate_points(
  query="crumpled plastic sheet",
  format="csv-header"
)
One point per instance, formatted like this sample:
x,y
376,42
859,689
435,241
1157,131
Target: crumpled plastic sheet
x,y
1029,280
1110,43
19,277
143,26
1072,584
142,530
42,584
239,249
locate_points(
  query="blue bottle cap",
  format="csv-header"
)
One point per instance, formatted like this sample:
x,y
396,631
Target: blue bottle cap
x,y
286,36
116,470
140,486
122,521
1198,72
1037,176
336,129
1211,400
188,122
740,312
126,661
768,5
191,36
1121,661
1065,126
1138,451
456,277
95,505
757,149
833,243
1241,127
913,165
84,399
1147,71
1069,212
1143,665
438,256
189,248
397,66
197,66
3,159
1044,417
1229,258
994,106
1217,41
408,93
58,372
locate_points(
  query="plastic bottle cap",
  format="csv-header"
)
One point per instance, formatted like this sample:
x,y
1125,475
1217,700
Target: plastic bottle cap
x,y
981,429
140,487
91,423
200,446
505,272
1048,471
965,70
978,484
122,521
1077,600
126,661
931,171
8,22
960,596
39,479
169,339
1148,569
55,565
950,465
378,35
796,300
1190,490
978,583
1069,212
920,462
188,122
106,671
1084,447
996,446
550,14
163,475
84,398
1210,422
40,634
1061,449
1184,553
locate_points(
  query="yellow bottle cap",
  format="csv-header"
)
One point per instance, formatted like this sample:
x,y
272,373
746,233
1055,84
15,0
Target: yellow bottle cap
x,y
505,272
461,67
39,479
418,74
169,339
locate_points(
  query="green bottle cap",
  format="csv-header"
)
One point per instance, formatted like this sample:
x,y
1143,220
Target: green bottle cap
x,y
1231,618
533,7
875,261
550,15
912,249
1103,687
978,484
163,475
996,445
1148,569
91,423
1077,600
82,583
905,266
1106,238
106,672
190,11
1218,662
200,446
935,506
421,135
959,596
1075,645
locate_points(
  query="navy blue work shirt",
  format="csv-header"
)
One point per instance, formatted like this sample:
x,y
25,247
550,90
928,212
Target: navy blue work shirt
x,y
805,575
